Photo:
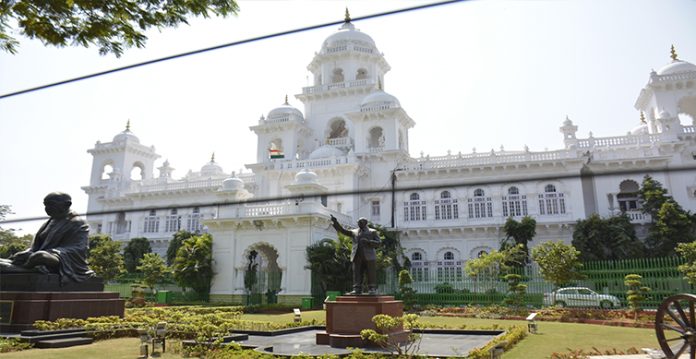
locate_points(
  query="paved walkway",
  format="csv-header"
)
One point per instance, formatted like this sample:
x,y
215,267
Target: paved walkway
x,y
442,345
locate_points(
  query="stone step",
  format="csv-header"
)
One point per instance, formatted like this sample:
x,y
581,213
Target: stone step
x,y
63,343
36,332
38,338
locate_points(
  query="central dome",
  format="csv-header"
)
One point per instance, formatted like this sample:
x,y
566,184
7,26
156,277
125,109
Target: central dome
x,y
348,33
677,67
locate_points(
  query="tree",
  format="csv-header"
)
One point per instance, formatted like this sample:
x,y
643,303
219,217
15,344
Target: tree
x,y
408,294
329,262
153,268
387,324
672,226
97,239
610,238
559,263
671,223
193,266
516,290
105,258
134,252
110,25
636,292
175,244
652,195
520,233
10,243
488,268
688,252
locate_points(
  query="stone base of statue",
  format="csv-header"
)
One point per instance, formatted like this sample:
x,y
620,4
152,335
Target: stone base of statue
x,y
28,297
348,315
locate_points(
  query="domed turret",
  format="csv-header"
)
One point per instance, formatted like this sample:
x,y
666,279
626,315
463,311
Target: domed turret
x,y
126,135
285,112
676,66
347,33
233,183
379,100
305,177
211,168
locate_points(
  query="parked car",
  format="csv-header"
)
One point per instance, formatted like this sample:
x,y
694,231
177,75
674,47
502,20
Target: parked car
x,y
580,297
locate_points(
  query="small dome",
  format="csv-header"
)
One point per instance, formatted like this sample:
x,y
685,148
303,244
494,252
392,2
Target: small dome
x,y
284,111
233,183
640,130
379,99
567,122
126,135
305,176
348,33
211,168
326,151
677,67
665,114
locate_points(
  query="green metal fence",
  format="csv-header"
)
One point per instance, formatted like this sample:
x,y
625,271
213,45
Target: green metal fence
x,y
605,278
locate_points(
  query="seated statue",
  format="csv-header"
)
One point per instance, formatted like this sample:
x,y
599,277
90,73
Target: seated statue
x,y
59,247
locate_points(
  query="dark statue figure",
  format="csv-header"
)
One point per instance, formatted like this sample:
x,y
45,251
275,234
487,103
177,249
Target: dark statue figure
x,y
59,247
363,256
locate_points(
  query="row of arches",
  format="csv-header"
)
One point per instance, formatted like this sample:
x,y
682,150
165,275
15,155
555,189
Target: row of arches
x,y
137,172
446,266
338,76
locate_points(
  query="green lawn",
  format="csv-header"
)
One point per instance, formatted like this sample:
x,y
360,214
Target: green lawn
x,y
552,337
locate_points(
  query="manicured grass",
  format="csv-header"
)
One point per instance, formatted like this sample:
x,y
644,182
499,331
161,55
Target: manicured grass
x,y
559,337
552,337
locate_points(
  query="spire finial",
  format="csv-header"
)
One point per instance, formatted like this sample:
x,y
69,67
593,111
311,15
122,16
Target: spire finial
x,y
673,53
128,125
347,18
642,118
212,157
286,100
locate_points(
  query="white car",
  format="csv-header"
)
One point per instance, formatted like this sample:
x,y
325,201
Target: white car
x,y
580,297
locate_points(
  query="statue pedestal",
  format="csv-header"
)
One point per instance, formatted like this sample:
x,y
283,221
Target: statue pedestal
x,y
28,297
348,315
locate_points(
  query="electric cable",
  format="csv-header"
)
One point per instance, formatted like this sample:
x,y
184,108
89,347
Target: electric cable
x,y
472,183
222,46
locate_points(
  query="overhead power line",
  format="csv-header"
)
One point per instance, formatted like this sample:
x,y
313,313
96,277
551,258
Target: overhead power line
x,y
472,183
222,46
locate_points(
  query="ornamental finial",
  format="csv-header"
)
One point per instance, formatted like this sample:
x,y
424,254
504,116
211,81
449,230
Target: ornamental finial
x,y
286,100
128,125
673,53
347,18
642,118
212,157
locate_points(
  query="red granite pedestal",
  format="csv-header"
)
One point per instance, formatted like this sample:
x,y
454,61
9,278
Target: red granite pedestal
x,y
348,315
24,308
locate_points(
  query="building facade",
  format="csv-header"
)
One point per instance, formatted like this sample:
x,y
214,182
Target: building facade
x,y
347,155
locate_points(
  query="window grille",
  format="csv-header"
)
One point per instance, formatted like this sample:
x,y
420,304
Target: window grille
x,y
480,206
414,208
446,207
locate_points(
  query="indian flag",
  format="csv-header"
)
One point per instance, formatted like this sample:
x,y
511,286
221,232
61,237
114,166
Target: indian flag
x,y
276,153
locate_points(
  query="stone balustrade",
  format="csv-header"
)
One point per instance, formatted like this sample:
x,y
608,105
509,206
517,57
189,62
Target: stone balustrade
x,y
338,85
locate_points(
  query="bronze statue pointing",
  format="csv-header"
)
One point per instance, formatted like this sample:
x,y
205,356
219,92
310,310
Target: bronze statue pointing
x,y
363,256
59,247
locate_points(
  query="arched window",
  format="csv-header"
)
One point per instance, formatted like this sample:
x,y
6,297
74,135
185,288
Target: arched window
x,y
275,149
446,207
151,223
193,220
173,221
448,269
628,196
419,267
514,204
480,206
481,253
361,74
376,140
551,202
414,208
106,171
137,172
337,76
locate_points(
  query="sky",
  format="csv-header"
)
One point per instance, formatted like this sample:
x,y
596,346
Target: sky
x,y
475,74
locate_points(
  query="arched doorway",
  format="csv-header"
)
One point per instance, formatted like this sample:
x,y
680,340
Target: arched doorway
x,y
262,275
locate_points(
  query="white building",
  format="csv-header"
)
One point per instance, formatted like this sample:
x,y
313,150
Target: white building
x,y
354,137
